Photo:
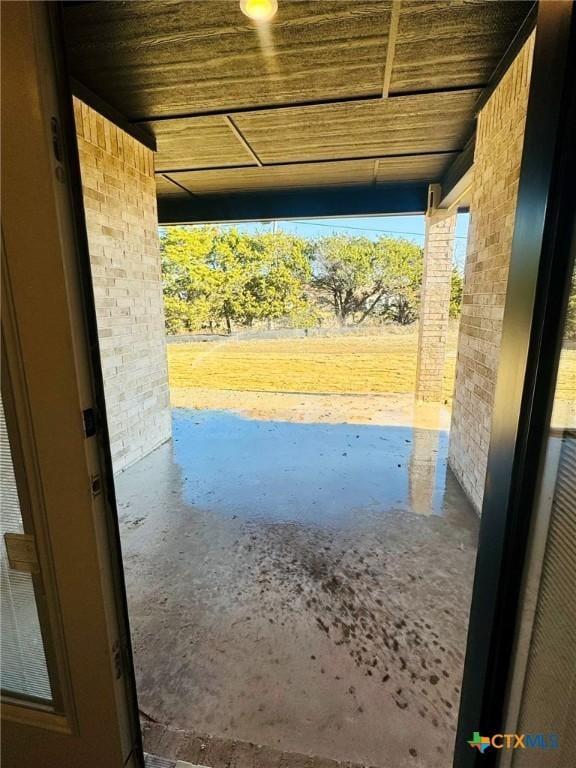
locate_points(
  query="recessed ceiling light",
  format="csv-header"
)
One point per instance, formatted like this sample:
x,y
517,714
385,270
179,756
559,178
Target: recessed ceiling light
x,y
259,10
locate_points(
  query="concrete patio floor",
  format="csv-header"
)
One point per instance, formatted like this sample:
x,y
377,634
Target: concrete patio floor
x,y
304,586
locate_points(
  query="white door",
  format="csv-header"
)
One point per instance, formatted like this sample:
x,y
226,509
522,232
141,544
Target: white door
x,y
68,695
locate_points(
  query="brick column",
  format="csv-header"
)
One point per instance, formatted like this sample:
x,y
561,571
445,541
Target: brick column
x,y
435,304
122,223
497,158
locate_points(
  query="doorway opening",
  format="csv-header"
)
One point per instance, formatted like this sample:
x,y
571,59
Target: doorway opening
x,y
299,558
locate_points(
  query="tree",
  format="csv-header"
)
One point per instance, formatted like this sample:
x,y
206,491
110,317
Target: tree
x,y
218,277
187,277
404,261
456,291
348,274
276,288
361,278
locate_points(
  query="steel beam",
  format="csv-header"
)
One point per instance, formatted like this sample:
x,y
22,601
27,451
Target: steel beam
x,y
361,200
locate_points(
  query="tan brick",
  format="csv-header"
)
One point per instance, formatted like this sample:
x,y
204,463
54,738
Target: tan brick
x,y
498,151
435,304
120,202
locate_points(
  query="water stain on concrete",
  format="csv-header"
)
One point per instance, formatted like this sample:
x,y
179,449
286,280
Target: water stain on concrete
x,y
301,586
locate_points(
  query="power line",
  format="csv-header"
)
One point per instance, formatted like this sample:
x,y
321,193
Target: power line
x,y
366,229
360,229
336,226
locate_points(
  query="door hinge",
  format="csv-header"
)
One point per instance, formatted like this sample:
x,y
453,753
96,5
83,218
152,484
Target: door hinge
x,y
21,552
95,485
57,149
56,139
90,422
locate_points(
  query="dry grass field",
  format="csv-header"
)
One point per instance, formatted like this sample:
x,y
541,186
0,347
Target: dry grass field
x,y
371,364
566,385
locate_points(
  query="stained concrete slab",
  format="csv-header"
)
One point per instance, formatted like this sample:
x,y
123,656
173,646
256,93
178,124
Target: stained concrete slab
x,y
300,586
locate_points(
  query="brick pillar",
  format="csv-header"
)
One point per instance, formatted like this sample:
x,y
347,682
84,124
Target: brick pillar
x,y
497,158
122,223
435,304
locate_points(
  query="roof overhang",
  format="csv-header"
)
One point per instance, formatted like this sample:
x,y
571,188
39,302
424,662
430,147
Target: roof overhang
x,y
341,106
314,202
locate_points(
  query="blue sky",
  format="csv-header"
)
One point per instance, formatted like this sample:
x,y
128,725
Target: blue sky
x,y
410,227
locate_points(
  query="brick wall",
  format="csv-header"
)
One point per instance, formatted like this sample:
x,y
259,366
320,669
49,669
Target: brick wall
x,y
499,141
120,203
435,304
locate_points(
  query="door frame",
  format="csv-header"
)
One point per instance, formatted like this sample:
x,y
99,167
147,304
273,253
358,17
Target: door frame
x,y
537,287
51,353
536,301
62,288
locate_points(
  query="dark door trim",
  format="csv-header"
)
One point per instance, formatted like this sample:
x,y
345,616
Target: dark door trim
x,y
538,284
95,421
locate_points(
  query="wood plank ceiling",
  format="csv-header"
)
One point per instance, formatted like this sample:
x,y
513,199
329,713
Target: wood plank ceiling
x,y
337,92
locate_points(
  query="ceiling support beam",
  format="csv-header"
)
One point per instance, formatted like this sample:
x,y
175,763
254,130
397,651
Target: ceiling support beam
x,y
352,200
138,132
392,35
457,178
176,184
319,161
364,98
242,139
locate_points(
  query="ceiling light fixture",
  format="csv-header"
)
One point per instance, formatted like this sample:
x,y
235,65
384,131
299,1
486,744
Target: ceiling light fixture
x,y
259,10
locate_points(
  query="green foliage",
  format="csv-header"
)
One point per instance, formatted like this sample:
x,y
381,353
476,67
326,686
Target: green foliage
x,y
220,278
404,279
456,290
215,278
188,278
360,278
